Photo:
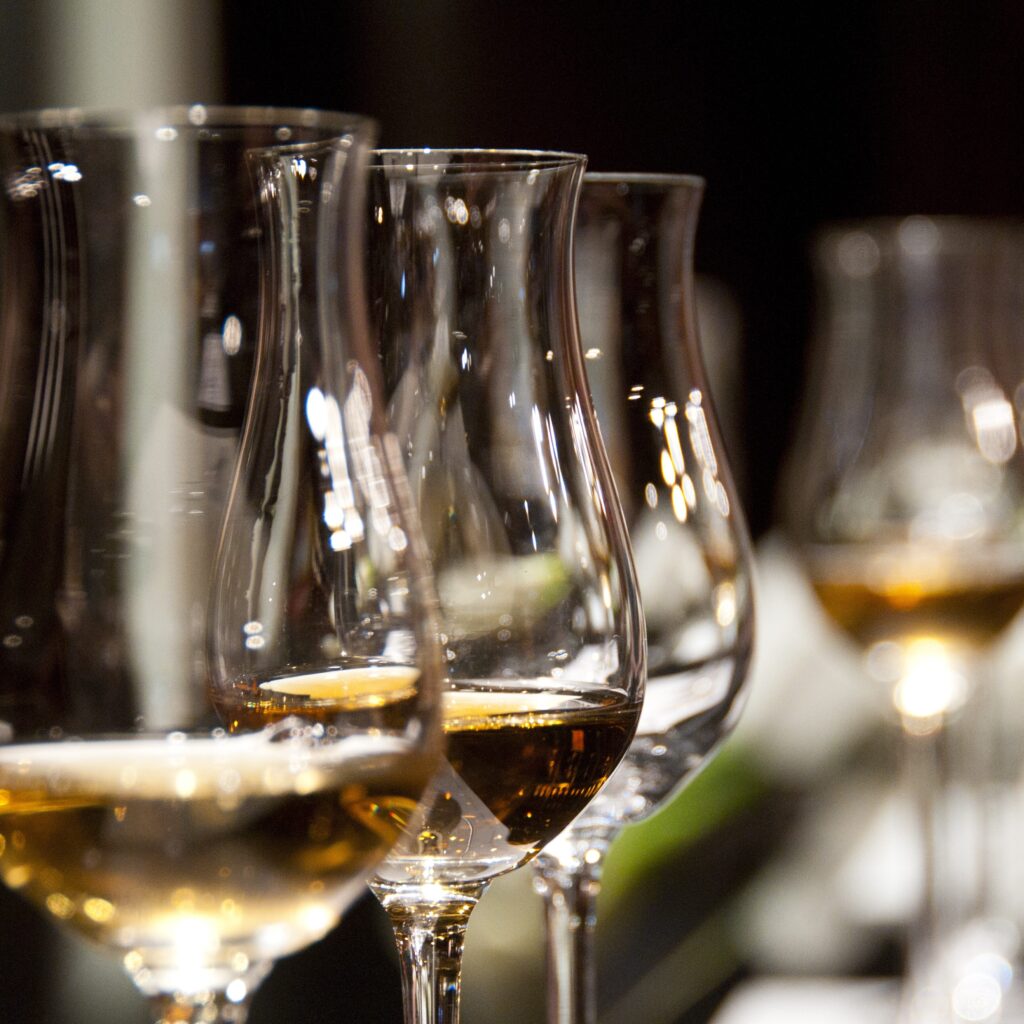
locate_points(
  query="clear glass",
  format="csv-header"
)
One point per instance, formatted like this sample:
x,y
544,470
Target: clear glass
x,y
472,300
130,320
903,497
635,292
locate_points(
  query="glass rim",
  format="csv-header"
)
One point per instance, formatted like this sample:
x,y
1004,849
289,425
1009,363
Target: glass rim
x,y
653,179
474,158
191,116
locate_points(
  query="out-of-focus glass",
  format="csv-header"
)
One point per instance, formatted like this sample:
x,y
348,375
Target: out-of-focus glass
x,y
904,498
130,314
635,293
472,301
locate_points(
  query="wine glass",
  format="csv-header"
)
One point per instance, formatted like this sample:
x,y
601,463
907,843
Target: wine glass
x,y
131,256
472,298
903,497
635,292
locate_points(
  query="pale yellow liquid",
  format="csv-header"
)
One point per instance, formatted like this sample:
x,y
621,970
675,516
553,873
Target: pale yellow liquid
x,y
202,853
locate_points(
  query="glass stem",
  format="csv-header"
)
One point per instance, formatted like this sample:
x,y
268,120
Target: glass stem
x,y
430,934
198,1008
570,894
938,773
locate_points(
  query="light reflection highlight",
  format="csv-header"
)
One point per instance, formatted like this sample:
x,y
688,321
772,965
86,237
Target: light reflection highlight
x,y
679,509
977,997
991,420
65,172
930,685
994,426
668,471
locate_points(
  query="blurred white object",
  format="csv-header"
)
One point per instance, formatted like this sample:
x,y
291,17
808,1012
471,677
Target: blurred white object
x,y
810,1001
81,57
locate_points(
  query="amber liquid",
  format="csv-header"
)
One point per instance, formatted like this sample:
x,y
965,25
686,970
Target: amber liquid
x,y
210,851
969,605
520,765
521,762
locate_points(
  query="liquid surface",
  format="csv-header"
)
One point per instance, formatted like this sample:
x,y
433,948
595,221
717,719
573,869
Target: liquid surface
x,y
367,696
197,856
876,596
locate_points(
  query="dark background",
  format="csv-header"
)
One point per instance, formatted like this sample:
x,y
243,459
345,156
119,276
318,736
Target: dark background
x,y
795,115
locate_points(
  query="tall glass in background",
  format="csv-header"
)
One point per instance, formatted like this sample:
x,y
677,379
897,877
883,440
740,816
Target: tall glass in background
x,y
904,498
635,294
472,301
132,254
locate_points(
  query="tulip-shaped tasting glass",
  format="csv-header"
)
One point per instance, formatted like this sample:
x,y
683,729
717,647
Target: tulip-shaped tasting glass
x,y
904,496
472,300
130,252
635,292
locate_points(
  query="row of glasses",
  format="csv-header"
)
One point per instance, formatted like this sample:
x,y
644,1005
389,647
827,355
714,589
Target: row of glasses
x,y
209,744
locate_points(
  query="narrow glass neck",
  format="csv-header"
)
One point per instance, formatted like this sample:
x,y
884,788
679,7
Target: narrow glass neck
x,y
475,262
218,996
645,234
312,313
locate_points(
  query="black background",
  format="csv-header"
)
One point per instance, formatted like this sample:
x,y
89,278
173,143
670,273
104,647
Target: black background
x,y
795,114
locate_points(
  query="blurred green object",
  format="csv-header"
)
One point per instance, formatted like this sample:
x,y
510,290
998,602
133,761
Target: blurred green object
x,y
730,783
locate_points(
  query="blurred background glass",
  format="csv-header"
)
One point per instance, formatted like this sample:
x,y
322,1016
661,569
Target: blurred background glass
x,y
785,856
903,501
